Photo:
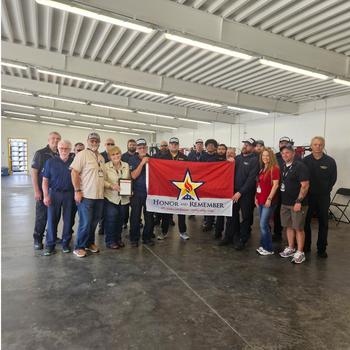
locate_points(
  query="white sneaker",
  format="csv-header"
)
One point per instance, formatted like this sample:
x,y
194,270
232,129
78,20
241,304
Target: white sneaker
x,y
287,252
259,249
265,252
160,237
184,236
298,258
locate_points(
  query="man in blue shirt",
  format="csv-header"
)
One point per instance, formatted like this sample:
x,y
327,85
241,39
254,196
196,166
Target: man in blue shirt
x,y
58,195
137,165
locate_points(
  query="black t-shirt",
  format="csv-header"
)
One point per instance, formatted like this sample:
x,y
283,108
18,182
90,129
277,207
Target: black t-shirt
x,y
291,177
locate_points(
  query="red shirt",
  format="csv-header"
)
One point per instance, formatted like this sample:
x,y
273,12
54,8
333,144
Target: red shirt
x,y
265,183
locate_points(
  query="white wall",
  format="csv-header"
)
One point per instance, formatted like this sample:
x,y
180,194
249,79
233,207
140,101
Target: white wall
x,y
329,118
37,134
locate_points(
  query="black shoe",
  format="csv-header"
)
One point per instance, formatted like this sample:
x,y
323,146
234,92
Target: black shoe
x,y
172,222
134,244
58,240
148,243
49,251
218,235
239,245
322,255
276,238
224,242
38,245
157,223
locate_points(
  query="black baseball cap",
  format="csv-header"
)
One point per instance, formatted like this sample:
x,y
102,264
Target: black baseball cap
x,y
260,142
250,141
211,141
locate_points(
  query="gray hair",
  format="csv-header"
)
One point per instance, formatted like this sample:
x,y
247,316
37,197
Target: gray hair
x,y
65,142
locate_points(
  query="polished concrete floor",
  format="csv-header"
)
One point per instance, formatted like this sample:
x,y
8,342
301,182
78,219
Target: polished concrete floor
x,y
176,295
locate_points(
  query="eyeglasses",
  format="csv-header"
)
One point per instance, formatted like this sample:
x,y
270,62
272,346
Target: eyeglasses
x,y
163,145
63,148
110,144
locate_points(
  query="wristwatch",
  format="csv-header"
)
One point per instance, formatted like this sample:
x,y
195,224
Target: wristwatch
x,y
78,190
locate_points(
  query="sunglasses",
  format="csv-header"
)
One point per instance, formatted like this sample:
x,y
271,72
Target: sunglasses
x,y
110,144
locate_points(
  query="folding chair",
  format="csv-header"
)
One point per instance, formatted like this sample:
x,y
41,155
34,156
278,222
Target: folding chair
x,y
342,207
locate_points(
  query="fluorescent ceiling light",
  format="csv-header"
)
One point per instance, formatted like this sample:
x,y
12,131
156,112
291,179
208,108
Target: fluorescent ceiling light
x,y
208,47
85,123
25,120
247,110
17,92
54,118
104,130
13,65
156,115
115,127
142,130
193,121
19,113
163,126
111,107
56,111
150,92
3,117
341,81
293,69
95,117
62,99
186,99
94,15
17,105
50,123
79,127
130,122
69,76
128,133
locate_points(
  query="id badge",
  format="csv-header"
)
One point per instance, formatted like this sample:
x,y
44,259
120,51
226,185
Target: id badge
x,y
100,173
283,187
258,189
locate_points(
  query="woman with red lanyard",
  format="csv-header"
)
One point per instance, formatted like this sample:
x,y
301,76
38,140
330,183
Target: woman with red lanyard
x,y
266,197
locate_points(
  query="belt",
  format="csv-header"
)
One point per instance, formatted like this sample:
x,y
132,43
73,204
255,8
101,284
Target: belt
x,y
62,191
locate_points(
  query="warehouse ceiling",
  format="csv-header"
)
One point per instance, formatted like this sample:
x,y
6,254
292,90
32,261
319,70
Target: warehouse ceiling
x,y
188,62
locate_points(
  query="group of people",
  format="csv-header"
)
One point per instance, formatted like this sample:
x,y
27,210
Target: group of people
x,y
286,189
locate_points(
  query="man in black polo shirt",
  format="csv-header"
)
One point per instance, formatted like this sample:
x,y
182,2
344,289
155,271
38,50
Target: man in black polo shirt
x,y
173,154
246,169
40,157
323,176
294,188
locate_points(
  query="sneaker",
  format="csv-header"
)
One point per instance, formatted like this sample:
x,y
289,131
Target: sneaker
x,y
184,236
287,252
259,249
38,245
66,250
112,246
80,253
148,243
265,252
160,237
92,248
49,251
299,257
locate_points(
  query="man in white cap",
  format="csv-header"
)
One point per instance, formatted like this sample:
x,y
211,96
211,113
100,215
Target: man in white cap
x,y
88,182
195,155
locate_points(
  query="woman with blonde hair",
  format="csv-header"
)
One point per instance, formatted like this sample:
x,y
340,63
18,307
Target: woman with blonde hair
x,y
266,196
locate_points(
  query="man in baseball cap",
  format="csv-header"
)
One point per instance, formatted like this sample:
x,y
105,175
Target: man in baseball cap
x,y
195,155
260,145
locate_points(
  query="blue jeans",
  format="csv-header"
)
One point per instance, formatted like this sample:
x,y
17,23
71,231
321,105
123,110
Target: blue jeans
x,y
113,222
90,213
265,214
59,201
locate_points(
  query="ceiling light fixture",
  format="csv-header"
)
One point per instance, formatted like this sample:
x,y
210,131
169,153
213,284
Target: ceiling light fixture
x,y
94,15
50,123
14,65
125,87
205,46
111,107
54,118
95,117
17,92
194,121
156,115
17,105
62,99
163,126
86,123
116,127
293,69
19,113
128,133
56,111
25,120
207,103
342,81
142,130
130,122
69,76
247,110
79,127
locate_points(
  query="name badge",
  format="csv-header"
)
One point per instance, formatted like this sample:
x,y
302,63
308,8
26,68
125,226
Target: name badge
x,y
283,187
100,173
258,189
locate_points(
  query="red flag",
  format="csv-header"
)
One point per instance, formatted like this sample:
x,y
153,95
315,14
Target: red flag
x,y
193,188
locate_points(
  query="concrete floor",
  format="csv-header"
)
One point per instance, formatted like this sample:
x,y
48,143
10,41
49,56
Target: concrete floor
x,y
177,295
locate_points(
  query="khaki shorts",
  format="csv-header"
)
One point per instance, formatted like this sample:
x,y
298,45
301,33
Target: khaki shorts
x,y
293,219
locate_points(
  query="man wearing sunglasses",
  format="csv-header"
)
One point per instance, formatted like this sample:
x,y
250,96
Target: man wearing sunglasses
x,y
108,145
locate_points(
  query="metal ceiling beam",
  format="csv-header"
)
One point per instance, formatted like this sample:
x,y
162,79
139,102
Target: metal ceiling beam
x,y
169,15
79,66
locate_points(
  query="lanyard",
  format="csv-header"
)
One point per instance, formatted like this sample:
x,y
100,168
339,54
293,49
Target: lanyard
x,y
96,157
286,171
